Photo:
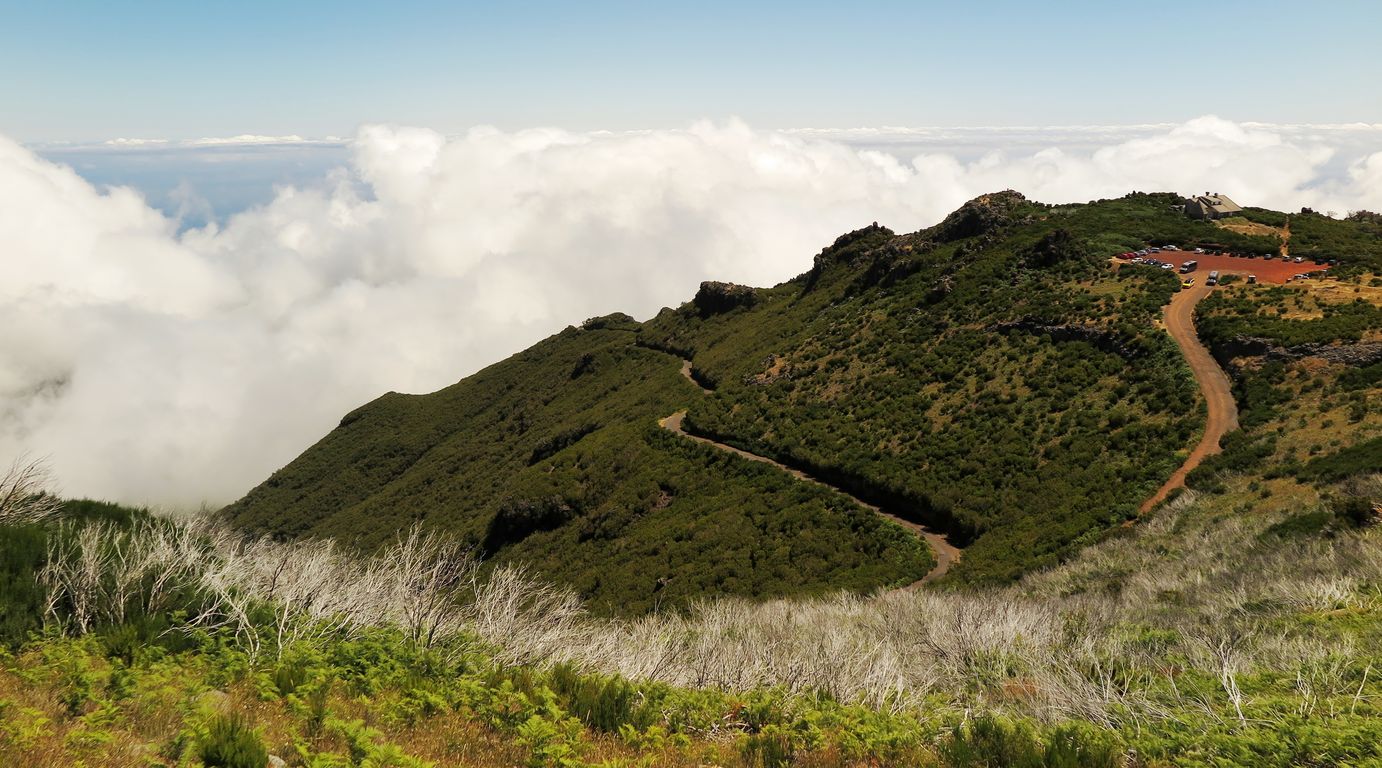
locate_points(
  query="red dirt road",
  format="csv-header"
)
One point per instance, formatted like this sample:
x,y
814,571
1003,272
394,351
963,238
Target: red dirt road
x,y
1179,317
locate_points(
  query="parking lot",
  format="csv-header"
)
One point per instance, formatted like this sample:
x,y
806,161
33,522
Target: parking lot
x,y
1276,270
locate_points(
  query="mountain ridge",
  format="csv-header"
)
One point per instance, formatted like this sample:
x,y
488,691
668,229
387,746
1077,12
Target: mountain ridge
x,y
991,372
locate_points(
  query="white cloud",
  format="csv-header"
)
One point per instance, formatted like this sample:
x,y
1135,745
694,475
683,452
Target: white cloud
x,y
153,366
245,138
123,142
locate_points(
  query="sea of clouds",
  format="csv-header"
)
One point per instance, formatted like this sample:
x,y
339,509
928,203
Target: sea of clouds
x,y
150,362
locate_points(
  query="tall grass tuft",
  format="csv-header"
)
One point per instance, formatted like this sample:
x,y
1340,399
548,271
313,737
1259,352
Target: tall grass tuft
x,y
230,742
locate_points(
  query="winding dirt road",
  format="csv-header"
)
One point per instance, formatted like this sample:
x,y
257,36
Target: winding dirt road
x,y
946,553
1179,318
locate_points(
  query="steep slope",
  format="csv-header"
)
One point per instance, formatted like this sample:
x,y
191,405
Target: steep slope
x,y
554,458
989,377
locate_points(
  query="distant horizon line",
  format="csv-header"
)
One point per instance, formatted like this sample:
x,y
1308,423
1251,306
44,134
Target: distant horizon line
x,y
863,131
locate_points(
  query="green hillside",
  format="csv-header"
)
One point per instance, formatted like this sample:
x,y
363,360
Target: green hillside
x,y
554,458
989,376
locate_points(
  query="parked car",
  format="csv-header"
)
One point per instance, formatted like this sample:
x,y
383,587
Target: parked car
x,y
1169,248
1213,278
1252,279
1298,259
1189,266
1199,250
1167,265
1187,282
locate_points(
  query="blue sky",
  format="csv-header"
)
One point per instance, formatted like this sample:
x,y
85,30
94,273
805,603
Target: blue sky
x,y
84,71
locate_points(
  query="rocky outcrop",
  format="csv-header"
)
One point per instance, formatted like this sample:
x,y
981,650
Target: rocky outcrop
x,y
1359,354
881,258
1100,338
981,216
852,249
716,298
1054,248
617,321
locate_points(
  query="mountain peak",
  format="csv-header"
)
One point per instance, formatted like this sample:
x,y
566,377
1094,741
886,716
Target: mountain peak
x,y
979,216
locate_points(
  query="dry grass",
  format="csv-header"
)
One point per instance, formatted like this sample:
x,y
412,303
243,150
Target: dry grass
x,y
1069,643
1340,292
1244,227
23,493
1046,647
1318,422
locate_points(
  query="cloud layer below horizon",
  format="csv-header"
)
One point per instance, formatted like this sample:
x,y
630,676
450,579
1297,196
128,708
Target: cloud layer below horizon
x,y
175,368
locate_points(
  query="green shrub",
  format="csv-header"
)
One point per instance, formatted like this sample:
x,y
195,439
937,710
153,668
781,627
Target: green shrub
x,y
1241,452
1366,377
317,711
988,742
123,642
1354,511
231,743
1306,524
23,552
603,703
772,748
289,676
1354,460
1080,746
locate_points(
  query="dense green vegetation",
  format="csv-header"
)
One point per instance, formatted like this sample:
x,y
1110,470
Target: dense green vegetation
x,y
23,552
989,376
1298,416
1138,220
1356,241
553,458
1228,315
1265,216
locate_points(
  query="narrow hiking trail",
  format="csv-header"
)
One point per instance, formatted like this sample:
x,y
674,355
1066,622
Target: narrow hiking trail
x,y
946,553
1179,318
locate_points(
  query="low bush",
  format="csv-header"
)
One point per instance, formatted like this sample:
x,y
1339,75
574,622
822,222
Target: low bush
x,y
1357,459
230,742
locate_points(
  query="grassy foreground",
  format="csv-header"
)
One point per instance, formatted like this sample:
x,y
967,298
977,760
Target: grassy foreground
x,y
378,700
1230,630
